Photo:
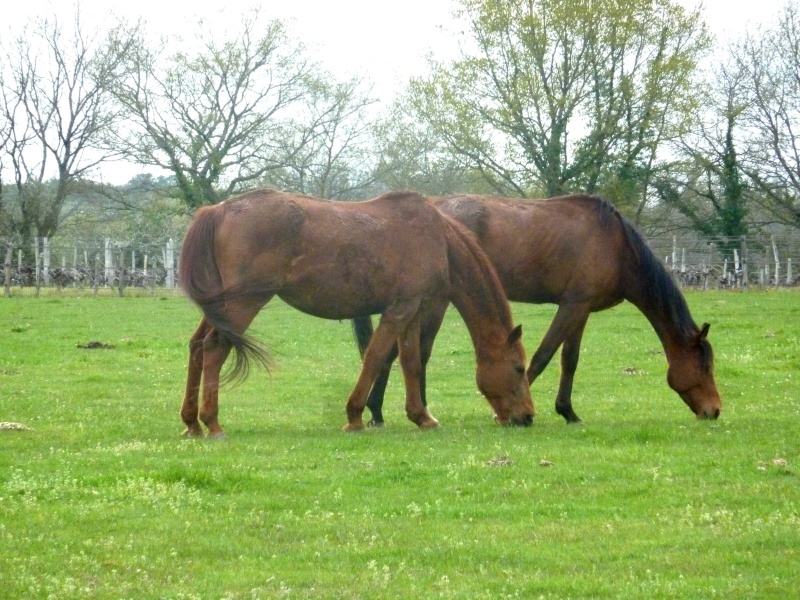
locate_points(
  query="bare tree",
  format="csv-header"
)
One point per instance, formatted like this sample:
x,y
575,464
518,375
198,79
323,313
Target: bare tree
x,y
771,60
55,110
327,150
212,118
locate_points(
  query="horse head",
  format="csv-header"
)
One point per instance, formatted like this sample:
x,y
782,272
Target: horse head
x,y
501,379
691,375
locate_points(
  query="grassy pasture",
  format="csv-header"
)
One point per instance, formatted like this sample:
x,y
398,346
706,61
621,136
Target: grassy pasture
x,y
101,498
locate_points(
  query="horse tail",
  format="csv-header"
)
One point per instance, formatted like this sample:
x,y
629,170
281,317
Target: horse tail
x,y
200,279
362,330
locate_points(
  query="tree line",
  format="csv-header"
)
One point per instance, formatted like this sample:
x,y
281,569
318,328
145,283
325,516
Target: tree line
x,y
631,100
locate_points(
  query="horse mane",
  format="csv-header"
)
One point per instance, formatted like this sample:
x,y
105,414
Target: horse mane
x,y
659,288
199,277
462,241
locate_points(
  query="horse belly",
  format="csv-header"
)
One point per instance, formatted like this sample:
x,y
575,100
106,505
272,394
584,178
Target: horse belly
x,y
329,300
342,289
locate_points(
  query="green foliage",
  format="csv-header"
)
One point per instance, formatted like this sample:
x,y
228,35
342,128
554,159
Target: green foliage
x,y
555,97
100,498
715,200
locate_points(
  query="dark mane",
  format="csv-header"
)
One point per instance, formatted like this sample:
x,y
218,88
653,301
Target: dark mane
x,y
659,289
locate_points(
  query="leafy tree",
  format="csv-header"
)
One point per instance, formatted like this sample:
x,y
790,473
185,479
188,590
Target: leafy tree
x,y
413,157
556,96
707,187
142,213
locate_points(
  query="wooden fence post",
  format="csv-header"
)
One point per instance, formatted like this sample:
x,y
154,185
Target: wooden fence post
x,y
777,279
96,272
37,270
121,286
745,279
46,261
169,263
109,261
7,270
683,262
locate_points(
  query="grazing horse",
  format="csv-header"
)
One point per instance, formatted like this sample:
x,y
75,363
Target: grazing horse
x,y
396,256
579,252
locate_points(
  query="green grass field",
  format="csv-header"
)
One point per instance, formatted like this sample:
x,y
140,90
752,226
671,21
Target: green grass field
x,y
102,498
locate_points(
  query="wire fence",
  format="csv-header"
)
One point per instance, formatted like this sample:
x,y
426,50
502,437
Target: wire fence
x,y
95,265
696,262
723,263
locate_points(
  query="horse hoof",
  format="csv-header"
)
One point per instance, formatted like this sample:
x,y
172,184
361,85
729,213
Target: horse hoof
x,y
374,423
353,427
192,433
216,435
432,424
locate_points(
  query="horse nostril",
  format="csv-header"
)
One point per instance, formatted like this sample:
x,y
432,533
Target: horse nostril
x,y
716,413
525,421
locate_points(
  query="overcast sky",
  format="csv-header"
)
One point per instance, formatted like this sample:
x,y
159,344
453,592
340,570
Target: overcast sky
x,y
386,42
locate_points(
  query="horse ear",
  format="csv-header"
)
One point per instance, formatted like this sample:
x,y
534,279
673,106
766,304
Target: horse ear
x,y
703,331
515,335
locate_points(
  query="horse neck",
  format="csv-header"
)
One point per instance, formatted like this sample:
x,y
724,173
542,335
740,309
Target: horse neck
x,y
670,320
477,294
650,287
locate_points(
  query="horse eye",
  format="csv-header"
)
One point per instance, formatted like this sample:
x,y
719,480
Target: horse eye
x,y
519,368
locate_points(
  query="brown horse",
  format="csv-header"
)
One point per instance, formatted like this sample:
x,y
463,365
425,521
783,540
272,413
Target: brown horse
x,y
579,252
396,256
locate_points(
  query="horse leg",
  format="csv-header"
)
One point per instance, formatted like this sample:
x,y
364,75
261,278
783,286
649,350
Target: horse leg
x,y
375,357
570,352
413,375
376,394
568,324
215,351
430,327
189,407
378,391
362,328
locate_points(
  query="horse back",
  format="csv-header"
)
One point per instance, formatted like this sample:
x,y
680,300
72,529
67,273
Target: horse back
x,y
565,249
333,259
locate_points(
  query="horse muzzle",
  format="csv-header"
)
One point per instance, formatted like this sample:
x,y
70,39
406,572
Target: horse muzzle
x,y
708,413
523,421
